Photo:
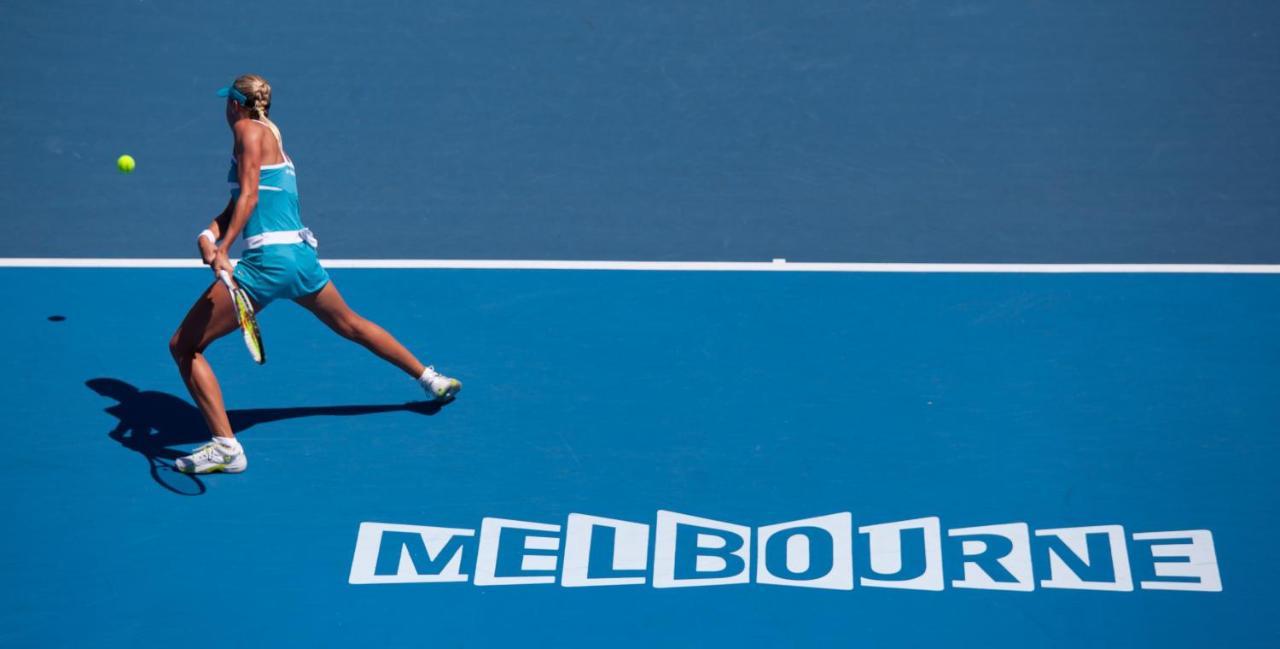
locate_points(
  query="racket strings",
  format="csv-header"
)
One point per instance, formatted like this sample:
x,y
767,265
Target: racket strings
x,y
249,325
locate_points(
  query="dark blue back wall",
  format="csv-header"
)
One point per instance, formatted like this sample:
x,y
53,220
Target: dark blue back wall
x,y
1085,131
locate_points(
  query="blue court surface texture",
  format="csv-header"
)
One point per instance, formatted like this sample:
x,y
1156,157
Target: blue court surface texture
x,y
870,419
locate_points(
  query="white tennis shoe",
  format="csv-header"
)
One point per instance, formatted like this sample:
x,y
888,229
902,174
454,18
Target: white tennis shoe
x,y
213,458
439,386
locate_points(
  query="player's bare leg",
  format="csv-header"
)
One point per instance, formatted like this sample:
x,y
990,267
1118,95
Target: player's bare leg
x,y
210,318
327,304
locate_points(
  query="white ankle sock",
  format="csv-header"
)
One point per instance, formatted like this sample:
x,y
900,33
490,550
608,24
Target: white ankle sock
x,y
427,375
229,444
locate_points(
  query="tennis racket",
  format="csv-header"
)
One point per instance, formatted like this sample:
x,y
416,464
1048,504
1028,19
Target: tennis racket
x,y
248,322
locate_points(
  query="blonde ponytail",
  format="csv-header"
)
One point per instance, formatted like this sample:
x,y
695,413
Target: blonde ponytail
x,y
257,94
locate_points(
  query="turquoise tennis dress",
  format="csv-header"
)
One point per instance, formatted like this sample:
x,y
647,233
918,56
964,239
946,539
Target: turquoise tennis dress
x,y
281,259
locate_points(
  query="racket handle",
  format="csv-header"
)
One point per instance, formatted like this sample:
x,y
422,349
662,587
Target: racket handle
x,y
225,277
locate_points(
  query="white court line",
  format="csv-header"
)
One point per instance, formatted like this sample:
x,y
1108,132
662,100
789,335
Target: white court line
x,y
765,266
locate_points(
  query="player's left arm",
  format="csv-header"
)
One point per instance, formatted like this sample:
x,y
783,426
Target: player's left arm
x,y
248,152
223,220
209,247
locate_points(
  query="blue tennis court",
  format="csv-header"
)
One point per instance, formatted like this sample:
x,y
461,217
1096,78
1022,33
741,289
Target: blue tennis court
x,y
665,437
751,398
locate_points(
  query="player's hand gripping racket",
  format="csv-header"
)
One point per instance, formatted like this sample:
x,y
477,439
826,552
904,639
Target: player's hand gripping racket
x,y
248,322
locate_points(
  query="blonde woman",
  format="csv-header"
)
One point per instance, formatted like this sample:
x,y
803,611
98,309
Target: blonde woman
x,y
279,262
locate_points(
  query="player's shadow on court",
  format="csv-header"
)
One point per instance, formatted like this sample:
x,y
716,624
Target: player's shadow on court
x,y
152,423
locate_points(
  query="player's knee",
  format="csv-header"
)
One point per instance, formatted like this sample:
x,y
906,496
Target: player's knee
x,y
365,331
179,348
348,327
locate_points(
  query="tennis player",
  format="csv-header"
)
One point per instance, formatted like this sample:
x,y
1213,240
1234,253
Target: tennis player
x,y
279,262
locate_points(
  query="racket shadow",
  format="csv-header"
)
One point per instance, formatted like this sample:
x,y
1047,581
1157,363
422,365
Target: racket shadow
x,y
152,423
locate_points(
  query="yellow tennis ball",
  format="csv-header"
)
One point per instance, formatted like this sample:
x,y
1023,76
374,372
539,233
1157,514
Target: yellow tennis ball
x,y
125,163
